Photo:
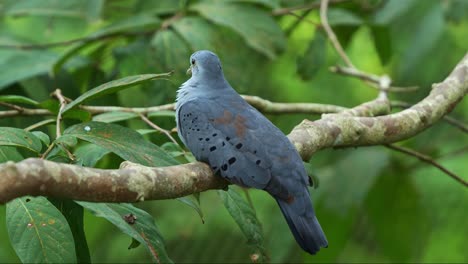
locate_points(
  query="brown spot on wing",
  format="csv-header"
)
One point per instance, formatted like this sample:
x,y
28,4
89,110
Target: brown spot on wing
x,y
225,119
237,122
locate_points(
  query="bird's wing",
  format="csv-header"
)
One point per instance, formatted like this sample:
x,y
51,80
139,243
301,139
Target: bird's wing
x,y
217,134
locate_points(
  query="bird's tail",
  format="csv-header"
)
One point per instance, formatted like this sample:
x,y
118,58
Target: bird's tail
x,y
303,224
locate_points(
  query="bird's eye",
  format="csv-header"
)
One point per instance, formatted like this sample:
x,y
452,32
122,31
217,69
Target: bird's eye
x,y
193,61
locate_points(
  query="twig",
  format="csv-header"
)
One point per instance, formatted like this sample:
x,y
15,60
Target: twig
x,y
428,160
12,106
39,124
58,94
454,122
169,21
371,78
25,112
331,34
158,128
379,82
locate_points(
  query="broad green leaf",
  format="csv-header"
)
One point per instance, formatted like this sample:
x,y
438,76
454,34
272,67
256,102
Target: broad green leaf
x,y
17,65
392,10
88,155
38,232
314,58
112,87
161,7
126,143
267,3
170,50
402,221
132,23
70,53
195,204
144,230
111,117
9,153
246,219
362,180
426,33
259,30
383,43
42,136
198,33
73,213
17,99
51,8
338,16
10,136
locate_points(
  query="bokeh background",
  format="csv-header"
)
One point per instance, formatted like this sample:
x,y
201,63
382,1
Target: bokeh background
x,y
375,205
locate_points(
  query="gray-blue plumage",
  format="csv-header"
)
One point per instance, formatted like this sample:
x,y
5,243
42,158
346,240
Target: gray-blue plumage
x,y
222,129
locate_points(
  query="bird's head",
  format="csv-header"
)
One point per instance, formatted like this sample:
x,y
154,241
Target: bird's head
x,y
205,63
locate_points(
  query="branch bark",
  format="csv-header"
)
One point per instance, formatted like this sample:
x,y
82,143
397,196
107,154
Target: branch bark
x,y
136,183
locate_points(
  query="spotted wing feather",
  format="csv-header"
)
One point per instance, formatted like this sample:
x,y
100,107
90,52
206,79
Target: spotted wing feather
x,y
211,136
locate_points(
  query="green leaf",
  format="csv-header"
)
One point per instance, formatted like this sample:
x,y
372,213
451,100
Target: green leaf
x,y
383,43
267,3
257,27
392,10
9,153
17,65
198,33
161,6
135,243
126,143
131,24
111,117
42,136
194,204
143,229
402,214
51,8
10,136
88,155
38,232
427,32
17,99
338,16
246,219
362,180
314,58
73,213
112,87
171,51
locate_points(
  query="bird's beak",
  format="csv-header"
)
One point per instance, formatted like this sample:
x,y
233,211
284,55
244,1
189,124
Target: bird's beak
x,y
189,70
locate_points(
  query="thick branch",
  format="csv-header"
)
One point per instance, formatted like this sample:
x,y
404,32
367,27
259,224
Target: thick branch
x,y
131,183
135,183
344,131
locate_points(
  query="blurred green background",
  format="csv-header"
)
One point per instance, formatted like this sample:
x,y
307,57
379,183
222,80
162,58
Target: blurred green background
x,y
375,205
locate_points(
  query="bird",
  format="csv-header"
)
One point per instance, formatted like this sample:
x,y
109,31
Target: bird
x,y
241,145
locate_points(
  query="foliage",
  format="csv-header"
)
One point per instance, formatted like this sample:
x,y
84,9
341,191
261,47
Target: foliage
x,y
374,205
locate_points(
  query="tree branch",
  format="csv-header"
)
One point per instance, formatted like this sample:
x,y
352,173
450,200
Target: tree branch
x,y
135,182
429,160
343,131
130,183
